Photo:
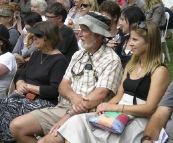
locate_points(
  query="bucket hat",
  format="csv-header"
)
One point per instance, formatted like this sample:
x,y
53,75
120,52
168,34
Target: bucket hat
x,y
96,22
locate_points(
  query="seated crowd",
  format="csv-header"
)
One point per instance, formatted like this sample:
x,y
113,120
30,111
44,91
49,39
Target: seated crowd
x,y
63,62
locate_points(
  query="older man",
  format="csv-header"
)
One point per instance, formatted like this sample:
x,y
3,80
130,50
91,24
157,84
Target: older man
x,y
93,76
57,13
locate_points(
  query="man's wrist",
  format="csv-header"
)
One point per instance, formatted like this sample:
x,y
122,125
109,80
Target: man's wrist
x,y
147,138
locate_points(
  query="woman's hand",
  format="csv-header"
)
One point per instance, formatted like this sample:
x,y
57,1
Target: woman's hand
x,y
20,60
70,23
102,108
28,41
22,88
112,44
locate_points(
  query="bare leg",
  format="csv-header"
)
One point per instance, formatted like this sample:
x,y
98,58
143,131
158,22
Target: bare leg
x,y
50,138
24,127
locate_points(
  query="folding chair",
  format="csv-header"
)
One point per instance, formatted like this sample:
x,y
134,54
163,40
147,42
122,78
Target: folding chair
x,y
163,37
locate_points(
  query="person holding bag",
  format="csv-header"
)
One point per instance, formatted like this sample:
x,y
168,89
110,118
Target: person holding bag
x,y
144,82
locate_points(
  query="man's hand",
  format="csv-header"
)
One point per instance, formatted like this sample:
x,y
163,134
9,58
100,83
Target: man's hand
x,y
78,103
59,124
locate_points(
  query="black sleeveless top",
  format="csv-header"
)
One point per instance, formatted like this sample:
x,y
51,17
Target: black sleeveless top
x,y
138,87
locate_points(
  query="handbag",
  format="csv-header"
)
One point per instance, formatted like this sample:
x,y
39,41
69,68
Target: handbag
x,y
114,122
30,96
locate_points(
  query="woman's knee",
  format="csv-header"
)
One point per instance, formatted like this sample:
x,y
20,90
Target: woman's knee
x,y
25,124
16,126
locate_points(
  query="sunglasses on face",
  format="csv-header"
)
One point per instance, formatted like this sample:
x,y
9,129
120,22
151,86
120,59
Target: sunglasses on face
x,y
50,17
38,35
85,5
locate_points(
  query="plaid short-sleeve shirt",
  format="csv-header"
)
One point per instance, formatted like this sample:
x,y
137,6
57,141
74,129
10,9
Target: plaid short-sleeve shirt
x,y
107,66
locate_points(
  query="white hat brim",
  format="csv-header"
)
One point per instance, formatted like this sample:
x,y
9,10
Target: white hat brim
x,y
94,27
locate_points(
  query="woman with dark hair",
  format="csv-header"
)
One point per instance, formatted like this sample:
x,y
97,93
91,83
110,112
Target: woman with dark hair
x,y
24,47
37,86
8,64
120,42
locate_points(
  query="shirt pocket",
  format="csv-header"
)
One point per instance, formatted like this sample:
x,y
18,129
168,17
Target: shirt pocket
x,y
88,78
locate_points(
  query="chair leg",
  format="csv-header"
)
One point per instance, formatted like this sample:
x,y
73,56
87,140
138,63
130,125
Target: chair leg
x,y
167,52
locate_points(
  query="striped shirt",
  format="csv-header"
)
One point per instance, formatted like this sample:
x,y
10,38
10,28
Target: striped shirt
x,y
106,65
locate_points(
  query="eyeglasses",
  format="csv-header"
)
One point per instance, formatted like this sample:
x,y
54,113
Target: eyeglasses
x,y
86,67
142,25
50,17
85,5
38,35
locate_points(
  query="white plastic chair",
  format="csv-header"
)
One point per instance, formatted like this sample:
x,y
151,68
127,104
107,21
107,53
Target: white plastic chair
x,y
163,37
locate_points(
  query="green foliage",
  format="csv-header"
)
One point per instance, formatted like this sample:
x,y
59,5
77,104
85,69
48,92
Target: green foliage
x,y
169,64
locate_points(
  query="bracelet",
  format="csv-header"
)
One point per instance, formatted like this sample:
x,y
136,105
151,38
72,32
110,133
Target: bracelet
x,y
122,108
146,138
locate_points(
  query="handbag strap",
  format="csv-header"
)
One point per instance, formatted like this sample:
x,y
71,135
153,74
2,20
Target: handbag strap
x,y
134,97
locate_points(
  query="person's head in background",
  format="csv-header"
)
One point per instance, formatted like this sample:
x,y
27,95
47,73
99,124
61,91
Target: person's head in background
x,y
65,3
16,8
77,3
111,9
89,5
146,46
38,6
150,3
57,13
5,45
6,15
31,19
2,2
129,16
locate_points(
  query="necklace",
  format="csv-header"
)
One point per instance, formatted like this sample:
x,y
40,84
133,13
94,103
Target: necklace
x,y
42,60
139,70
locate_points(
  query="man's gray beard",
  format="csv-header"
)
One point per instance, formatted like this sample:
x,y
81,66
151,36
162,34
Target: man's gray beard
x,y
87,46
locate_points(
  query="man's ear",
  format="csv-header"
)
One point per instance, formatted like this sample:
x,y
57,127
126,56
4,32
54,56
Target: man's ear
x,y
97,35
60,18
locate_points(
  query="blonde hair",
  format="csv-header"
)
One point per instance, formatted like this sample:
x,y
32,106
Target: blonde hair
x,y
153,50
93,3
149,4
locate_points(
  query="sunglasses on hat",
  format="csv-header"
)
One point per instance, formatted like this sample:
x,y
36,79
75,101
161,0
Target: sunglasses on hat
x,y
85,5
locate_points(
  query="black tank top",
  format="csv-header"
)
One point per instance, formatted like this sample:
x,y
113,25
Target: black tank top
x,y
138,87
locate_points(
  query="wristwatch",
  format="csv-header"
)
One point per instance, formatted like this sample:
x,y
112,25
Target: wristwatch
x,y
69,112
148,138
